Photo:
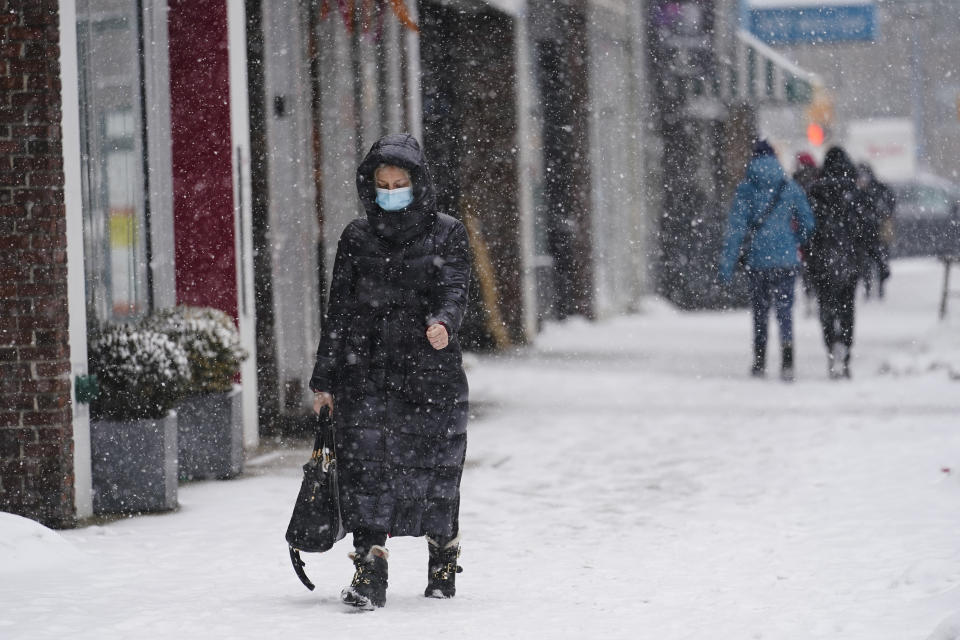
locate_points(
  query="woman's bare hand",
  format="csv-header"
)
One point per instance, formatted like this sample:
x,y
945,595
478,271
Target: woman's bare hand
x,y
437,335
322,399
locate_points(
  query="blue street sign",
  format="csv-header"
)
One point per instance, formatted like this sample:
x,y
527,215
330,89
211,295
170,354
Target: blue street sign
x,y
806,24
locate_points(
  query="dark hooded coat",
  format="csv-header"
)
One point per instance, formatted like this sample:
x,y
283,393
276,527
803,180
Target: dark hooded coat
x,y
400,405
841,238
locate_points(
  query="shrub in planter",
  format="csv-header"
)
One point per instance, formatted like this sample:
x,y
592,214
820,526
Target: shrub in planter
x,y
141,373
209,416
211,342
133,434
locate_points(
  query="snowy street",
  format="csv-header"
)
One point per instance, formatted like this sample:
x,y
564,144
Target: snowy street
x,y
625,479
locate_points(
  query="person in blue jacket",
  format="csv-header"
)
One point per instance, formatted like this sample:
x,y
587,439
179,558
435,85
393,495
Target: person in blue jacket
x,y
770,219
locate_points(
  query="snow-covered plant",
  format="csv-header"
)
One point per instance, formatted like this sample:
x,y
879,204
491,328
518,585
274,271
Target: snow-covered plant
x,y
141,373
211,341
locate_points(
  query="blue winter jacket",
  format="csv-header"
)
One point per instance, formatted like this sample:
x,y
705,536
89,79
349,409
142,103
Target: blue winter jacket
x,y
790,223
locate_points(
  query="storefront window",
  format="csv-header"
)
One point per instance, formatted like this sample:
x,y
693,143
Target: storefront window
x,y
115,211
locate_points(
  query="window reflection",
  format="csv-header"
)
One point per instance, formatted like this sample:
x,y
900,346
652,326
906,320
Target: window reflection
x,y
113,165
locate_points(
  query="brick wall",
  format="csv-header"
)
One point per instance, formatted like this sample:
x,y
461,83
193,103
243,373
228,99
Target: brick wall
x,y
36,445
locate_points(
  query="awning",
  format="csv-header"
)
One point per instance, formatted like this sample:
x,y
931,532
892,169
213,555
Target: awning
x,y
759,74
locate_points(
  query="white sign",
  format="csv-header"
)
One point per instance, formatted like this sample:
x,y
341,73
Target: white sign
x,y
886,144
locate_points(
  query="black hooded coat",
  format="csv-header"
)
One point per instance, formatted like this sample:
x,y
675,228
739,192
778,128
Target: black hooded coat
x,y
841,237
400,405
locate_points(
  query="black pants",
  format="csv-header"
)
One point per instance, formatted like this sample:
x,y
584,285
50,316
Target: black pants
x,y
771,287
363,539
837,312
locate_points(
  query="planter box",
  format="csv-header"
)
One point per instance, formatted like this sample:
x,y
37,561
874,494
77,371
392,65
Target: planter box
x,y
134,465
211,436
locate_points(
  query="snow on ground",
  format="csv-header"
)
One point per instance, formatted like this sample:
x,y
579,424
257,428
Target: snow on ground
x,y
625,479
27,547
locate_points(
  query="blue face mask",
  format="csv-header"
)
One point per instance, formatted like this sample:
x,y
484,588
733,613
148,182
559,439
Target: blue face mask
x,y
394,199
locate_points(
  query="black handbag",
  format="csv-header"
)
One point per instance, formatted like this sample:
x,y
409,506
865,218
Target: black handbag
x,y
315,524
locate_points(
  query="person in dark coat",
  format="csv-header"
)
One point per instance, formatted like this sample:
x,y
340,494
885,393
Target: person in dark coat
x,y
836,254
879,203
806,174
389,363
776,208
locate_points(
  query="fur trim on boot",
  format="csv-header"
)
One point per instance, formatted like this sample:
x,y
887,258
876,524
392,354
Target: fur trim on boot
x,y
442,568
368,590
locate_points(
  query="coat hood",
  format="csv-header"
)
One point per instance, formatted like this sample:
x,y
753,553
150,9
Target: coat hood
x,y
401,150
838,168
837,184
764,172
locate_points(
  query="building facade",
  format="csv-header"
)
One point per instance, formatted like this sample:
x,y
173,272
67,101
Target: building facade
x,y
203,152
37,453
708,80
532,114
125,190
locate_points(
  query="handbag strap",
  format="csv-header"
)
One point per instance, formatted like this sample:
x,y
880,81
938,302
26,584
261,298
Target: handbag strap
x,y
323,438
759,220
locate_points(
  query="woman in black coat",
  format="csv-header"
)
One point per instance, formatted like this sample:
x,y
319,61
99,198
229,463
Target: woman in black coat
x,y
840,242
389,361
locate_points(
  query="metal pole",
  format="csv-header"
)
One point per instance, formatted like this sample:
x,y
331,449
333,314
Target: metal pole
x,y
947,263
916,12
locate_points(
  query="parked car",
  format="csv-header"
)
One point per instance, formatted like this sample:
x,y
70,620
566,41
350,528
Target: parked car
x,y
927,217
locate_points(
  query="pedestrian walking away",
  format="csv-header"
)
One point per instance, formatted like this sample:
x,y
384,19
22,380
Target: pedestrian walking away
x,y
841,244
389,368
879,203
806,174
769,220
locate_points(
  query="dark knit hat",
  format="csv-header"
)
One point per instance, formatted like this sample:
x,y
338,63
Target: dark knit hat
x,y
762,148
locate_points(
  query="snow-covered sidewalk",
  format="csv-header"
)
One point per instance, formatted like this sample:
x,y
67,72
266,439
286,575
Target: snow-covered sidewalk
x,y
625,479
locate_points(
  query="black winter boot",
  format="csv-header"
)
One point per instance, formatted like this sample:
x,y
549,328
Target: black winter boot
x,y
759,362
786,363
839,360
442,568
368,590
